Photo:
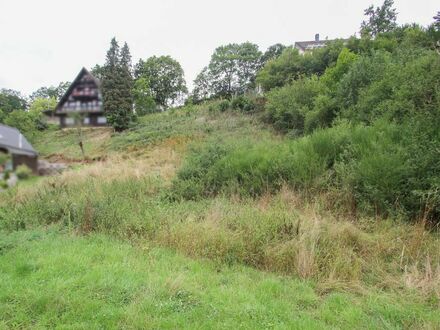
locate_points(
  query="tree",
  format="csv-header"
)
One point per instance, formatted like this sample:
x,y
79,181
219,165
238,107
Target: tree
x,y
380,20
233,68
23,121
36,109
202,86
284,69
231,71
113,55
143,98
116,87
98,71
127,79
11,100
271,53
165,78
41,104
437,21
290,65
51,92
126,58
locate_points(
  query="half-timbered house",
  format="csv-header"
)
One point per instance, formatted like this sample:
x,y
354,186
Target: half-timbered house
x,y
82,103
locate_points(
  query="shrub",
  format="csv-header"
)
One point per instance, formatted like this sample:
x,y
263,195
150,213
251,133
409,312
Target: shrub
x,y
287,107
322,115
23,172
374,168
393,86
219,105
252,169
379,169
280,71
224,105
190,178
290,65
3,158
243,103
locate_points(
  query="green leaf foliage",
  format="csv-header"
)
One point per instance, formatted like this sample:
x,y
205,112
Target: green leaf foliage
x,y
11,100
230,72
165,79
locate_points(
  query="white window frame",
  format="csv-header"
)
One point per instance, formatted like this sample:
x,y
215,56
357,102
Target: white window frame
x,y
101,120
69,121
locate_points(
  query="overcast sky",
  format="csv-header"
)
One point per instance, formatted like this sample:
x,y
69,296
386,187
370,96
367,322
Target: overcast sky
x,y
43,42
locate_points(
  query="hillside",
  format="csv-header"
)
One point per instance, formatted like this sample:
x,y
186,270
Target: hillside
x,y
132,237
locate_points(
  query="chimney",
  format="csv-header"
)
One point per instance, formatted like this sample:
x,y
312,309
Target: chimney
x,y
317,37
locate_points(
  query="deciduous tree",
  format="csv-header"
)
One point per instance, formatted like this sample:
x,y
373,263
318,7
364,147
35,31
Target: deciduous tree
x,y
231,71
51,92
202,86
380,19
11,100
143,99
165,77
271,53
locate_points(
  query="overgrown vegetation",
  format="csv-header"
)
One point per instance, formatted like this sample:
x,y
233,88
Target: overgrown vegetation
x,y
23,172
374,100
288,232
376,169
327,186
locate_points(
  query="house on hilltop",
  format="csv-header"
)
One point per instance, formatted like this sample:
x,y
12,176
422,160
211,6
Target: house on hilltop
x,y
308,46
81,102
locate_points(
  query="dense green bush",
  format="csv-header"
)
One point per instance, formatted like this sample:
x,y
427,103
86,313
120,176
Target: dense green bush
x,y
290,65
3,158
252,169
392,86
243,103
322,114
379,167
23,172
219,105
287,107
393,76
224,105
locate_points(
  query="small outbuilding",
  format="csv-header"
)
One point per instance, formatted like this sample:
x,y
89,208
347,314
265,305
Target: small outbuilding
x,y
22,152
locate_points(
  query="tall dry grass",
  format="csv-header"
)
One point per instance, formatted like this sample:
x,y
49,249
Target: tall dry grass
x,y
281,232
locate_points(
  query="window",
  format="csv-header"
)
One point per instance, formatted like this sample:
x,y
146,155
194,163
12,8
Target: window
x,y
69,121
102,120
86,121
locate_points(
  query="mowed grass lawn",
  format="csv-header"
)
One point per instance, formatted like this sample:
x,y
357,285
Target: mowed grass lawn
x,y
54,279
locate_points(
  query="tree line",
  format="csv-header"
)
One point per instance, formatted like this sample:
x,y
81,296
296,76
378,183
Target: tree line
x,y
158,82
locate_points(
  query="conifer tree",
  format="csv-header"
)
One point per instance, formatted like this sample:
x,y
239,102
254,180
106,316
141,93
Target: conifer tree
x,y
126,58
127,79
117,85
437,21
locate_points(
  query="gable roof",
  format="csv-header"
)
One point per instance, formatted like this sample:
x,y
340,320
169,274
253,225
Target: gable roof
x,y
12,140
82,73
314,44
306,45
